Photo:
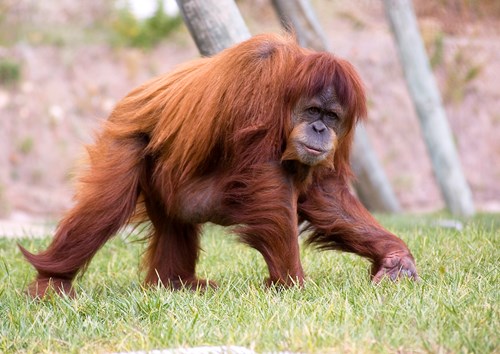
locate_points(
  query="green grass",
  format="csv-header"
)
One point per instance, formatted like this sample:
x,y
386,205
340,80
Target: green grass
x,y
455,308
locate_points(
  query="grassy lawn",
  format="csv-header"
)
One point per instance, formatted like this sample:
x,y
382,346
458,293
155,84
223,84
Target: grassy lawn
x,y
455,308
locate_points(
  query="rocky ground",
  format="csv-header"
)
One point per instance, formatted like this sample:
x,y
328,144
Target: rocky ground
x,y
66,90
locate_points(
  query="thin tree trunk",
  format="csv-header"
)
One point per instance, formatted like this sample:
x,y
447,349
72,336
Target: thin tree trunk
x,y
298,16
214,24
429,107
372,185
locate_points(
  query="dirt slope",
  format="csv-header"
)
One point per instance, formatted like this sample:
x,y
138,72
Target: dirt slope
x,y
67,90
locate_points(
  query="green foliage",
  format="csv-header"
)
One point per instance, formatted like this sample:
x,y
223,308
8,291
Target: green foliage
x,y
350,15
25,146
144,33
454,309
459,70
10,72
437,50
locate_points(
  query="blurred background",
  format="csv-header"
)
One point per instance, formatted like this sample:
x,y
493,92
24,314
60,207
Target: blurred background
x,y
64,64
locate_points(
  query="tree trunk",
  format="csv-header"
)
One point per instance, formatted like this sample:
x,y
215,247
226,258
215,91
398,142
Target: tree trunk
x,y
213,24
429,107
372,186
298,16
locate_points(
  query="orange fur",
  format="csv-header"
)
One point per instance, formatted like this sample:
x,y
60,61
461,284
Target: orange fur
x,y
205,143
